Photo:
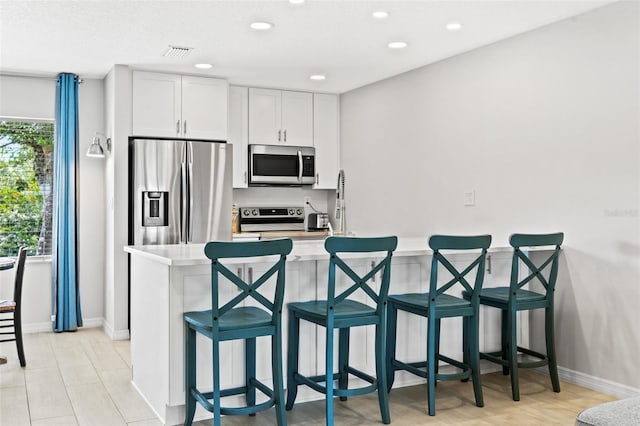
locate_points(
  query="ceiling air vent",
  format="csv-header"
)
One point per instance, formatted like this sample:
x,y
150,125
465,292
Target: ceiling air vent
x,y
177,52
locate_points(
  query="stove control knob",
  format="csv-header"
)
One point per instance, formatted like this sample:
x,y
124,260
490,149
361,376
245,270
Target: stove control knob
x,y
254,212
299,212
245,212
291,212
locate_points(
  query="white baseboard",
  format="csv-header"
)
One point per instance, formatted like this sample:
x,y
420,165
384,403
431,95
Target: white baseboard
x,y
595,383
41,327
114,334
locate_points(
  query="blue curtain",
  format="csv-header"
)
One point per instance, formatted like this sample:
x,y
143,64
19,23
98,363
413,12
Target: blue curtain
x,y
66,295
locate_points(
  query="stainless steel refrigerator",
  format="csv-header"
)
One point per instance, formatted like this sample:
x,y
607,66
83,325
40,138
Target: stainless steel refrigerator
x,y
180,191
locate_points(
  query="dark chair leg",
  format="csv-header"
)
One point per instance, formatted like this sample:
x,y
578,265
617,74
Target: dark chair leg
x,y
190,374
329,375
437,354
513,352
474,357
17,325
278,386
504,339
292,359
343,360
431,366
215,349
392,320
381,374
465,342
250,370
551,349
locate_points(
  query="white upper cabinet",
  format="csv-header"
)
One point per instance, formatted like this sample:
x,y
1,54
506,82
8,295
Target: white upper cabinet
x,y
239,133
168,105
326,139
204,108
280,117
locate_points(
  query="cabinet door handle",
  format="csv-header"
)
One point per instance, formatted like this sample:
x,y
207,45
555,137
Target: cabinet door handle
x,y
279,135
239,276
178,127
250,275
285,135
373,265
317,178
184,127
489,264
245,177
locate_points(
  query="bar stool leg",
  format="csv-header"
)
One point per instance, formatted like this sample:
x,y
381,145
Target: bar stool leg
x,y
513,352
551,349
250,370
278,387
190,374
474,357
504,336
292,359
329,374
381,374
431,367
343,360
392,321
215,348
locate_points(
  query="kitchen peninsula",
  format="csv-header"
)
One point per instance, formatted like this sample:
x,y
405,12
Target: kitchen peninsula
x,y
168,280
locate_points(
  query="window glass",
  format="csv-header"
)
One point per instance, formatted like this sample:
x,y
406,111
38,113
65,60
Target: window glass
x,y
26,178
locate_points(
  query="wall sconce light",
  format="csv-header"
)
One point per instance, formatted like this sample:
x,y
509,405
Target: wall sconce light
x,y
95,149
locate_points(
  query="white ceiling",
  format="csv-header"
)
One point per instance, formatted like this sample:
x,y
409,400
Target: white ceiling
x,y
337,38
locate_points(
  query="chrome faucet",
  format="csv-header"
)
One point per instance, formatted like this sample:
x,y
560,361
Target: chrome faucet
x,y
340,204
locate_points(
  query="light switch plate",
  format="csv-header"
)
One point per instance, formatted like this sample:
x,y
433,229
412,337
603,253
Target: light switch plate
x,y
470,198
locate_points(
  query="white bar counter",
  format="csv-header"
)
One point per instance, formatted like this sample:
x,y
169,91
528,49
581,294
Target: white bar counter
x,y
168,280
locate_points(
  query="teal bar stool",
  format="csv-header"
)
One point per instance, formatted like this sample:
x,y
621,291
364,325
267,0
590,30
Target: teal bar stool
x,y
232,322
435,305
339,312
514,298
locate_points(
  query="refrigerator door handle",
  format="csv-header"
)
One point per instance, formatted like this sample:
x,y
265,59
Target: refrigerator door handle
x,y
183,211
190,175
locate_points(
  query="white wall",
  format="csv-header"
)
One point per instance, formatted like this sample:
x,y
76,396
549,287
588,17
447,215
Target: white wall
x,y
545,128
30,97
118,124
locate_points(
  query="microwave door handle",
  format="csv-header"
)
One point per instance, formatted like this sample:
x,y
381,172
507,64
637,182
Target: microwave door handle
x,y
190,174
299,166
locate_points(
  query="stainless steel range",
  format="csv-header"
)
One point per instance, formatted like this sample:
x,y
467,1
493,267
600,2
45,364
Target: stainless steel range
x,y
254,219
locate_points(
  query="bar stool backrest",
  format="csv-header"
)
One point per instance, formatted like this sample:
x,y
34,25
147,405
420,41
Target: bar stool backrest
x,y
217,250
335,245
457,243
546,273
17,287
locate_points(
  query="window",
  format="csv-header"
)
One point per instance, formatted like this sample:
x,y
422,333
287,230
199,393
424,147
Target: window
x,y
26,193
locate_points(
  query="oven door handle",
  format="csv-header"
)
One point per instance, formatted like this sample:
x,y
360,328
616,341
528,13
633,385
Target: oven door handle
x,y
299,166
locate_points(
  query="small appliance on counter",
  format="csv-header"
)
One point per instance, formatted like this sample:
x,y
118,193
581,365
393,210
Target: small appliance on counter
x,y
318,221
257,219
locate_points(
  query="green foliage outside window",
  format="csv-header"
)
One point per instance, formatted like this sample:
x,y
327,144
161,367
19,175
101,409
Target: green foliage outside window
x,y
26,178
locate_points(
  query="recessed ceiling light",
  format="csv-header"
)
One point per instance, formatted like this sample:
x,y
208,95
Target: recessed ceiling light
x,y
203,66
261,25
296,1
454,26
318,77
398,44
380,14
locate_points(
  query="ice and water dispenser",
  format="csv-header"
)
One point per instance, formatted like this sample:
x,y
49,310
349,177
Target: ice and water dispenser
x,y
155,208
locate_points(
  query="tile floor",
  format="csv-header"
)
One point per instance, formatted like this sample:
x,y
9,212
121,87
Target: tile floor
x,y
83,378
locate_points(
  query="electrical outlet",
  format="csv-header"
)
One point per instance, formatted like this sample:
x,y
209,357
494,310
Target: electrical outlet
x,y
469,198
307,200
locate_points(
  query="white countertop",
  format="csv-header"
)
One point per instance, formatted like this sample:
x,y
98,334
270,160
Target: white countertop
x,y
193,254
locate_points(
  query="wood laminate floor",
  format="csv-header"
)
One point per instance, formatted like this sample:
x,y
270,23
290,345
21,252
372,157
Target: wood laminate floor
x,y
83,378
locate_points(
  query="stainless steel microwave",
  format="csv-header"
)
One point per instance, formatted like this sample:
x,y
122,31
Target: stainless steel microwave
x,y
281,165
